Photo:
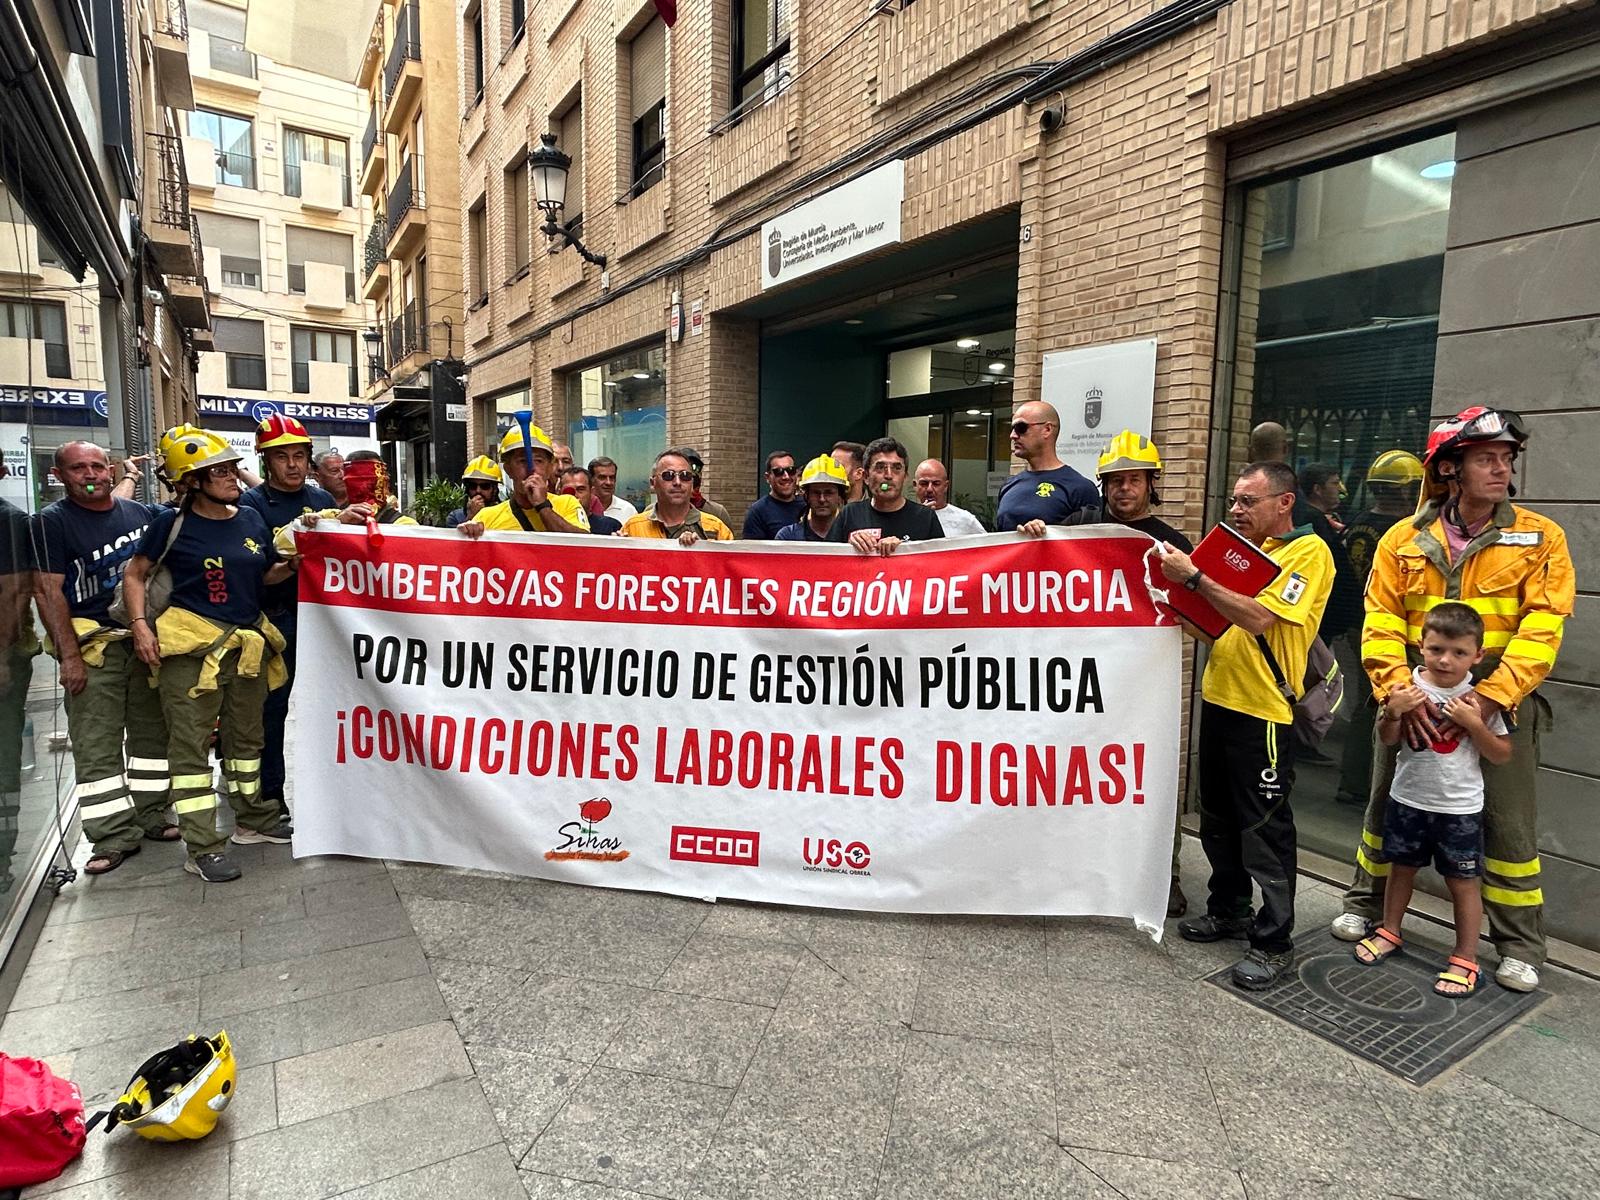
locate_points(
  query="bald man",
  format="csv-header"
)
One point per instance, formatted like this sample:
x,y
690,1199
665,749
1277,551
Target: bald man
x,y
1269,442
1049,490
932,482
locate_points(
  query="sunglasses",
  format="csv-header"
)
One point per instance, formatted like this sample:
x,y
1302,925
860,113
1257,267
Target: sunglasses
x,y
675,476
1018,428
783,472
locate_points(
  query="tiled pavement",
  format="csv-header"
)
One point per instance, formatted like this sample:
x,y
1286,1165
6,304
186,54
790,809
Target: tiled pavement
x,y
409,1031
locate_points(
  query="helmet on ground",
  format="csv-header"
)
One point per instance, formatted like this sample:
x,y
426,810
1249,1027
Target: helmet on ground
x,y
178,1094
1128,451
484,469
279,430
512,441
1475,426
197,450
168,440
825,469
1397,468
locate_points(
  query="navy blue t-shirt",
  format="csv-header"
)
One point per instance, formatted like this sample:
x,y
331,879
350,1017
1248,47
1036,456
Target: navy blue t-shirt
x,y
280,509
767,515
90,548
1048,496
217,566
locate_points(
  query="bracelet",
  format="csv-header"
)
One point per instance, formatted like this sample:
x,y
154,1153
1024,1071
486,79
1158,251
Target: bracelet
x,y
136,620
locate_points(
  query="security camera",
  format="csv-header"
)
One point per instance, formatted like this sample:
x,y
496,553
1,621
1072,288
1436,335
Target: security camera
x,y
1051,118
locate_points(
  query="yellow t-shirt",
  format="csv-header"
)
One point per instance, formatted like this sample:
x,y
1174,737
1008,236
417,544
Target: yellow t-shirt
x,y
500,516
1237,675
646,525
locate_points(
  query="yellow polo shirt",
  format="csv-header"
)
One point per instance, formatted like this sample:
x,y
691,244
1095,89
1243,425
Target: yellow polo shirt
x,y
1237,675
500,516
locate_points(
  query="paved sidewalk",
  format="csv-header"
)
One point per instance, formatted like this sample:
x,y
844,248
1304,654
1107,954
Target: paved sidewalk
x,y
410,1031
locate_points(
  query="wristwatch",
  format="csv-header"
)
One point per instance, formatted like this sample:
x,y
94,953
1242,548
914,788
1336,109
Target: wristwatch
x,y
1193,582
542,505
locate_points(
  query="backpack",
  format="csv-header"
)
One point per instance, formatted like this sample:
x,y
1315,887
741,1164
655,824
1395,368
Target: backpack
x,y
1321,693
41,1122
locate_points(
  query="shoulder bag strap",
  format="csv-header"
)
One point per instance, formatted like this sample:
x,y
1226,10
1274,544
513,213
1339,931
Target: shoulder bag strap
x,y
522,517
1277,671
171,537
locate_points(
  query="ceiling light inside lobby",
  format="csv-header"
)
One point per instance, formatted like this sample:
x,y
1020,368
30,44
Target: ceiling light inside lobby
x,y
1439,170
968,344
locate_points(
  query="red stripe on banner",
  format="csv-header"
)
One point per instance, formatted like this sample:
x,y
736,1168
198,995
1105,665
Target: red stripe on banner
x,y
1067,580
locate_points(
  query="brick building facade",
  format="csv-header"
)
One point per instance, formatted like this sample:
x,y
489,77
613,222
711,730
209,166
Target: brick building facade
x,y
1304,202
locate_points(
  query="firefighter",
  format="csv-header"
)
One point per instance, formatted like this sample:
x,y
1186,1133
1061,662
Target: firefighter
x,y
481,482
213,652
534,506
1469,543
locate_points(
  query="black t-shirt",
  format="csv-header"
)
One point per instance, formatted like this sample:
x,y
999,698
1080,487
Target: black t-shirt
x,y
766,516
280,509
16,552
1048,496
1154,526
90,548
217,566
909,522
1344,600
1361,538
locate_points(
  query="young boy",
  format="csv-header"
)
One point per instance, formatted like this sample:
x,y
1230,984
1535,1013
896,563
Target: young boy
x,y
1435,808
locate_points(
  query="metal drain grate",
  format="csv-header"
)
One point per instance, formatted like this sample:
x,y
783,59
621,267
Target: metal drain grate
x,y
1386,1014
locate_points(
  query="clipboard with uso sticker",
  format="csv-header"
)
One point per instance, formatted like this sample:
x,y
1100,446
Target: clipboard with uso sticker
x,y
1235,562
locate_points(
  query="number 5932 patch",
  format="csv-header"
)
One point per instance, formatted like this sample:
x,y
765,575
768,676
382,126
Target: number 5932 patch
x,y
1293,588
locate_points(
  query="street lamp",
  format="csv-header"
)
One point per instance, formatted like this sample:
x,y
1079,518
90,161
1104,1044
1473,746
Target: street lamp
x,y
549,168
373,337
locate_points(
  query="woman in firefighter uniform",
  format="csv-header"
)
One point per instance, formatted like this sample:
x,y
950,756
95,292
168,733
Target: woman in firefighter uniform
x,y
1469,543
214,653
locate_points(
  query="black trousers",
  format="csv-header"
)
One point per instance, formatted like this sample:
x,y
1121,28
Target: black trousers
x,y
1246,825
275,713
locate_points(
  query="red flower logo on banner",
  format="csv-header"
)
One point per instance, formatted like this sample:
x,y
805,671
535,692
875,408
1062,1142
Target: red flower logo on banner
x,y
596,810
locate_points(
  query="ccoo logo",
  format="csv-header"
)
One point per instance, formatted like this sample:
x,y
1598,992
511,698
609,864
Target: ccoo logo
x,y
727,847
832,854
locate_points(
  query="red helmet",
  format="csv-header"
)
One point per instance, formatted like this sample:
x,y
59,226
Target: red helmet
x,y
279,430
1475,426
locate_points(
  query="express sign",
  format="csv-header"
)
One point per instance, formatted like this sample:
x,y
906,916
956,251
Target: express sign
x,y
260,410
54,398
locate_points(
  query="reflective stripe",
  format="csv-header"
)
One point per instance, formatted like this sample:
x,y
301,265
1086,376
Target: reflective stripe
x,y
1381,649
99,787
195,804
1376,869
1494,895
93,812
1511,870
241,766
147,764
1490,605
1272,745
246,787
1538,620
191,781
1384,620
1372,839
148,785
1538,651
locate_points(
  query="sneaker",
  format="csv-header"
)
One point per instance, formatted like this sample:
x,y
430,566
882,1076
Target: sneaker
x,y
213,868
1214,929
1177,902
1516,975
278,834
1258,970
1350,927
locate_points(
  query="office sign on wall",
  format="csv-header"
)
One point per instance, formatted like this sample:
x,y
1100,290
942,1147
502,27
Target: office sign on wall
x,y
1099,391
849,221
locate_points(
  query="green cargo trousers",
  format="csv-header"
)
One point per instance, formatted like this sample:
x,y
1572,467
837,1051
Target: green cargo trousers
x,y
237,700
119,801
1512,897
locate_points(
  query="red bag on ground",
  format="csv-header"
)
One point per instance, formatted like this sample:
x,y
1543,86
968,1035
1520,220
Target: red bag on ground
x,y
41,1122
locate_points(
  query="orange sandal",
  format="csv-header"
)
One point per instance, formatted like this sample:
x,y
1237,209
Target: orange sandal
x,y
1377,947
1465,978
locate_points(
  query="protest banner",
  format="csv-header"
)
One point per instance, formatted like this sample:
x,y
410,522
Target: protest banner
x,y
983,726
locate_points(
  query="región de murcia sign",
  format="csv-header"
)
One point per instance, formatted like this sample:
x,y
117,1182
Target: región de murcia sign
x,y
851,220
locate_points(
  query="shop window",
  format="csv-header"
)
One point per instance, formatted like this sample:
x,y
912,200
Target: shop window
x,y
224,26
569,138
238,241
648,91
323,246
505,407
518,247
302,147
48,323
477,238
243,345
234,140
1340,278
307,346
762,62
618,409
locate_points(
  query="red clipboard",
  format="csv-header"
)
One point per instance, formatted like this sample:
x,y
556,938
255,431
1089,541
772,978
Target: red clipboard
x,y
1235,562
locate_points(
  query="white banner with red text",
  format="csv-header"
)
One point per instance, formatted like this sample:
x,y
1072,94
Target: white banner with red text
x,y
982,726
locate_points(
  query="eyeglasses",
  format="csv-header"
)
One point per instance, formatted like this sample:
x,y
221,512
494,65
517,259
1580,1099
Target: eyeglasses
x,y
1249,502
1018,428
675,476
222,471
782,472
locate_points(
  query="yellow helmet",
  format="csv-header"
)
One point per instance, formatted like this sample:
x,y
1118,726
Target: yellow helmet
x,y
178,1094
197,450
485,468
1128,451
170,439
513,440
824,468
1397,468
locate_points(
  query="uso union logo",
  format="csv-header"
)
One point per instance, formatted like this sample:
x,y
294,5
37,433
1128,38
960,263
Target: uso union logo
x,y
725,847
1236,560
836,857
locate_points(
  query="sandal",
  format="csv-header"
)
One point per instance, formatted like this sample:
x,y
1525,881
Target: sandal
x,y
1458,984
1377,946
167,833
111,860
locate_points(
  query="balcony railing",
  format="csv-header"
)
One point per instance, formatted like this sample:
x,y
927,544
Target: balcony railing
x,y
407,45
406,192
370,138
408,333
171,16
170,187
377,252
292,181
231,56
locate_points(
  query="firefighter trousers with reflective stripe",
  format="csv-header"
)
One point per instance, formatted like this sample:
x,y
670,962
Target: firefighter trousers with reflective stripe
x,y
1513,899
1246,824
118,700
237,702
